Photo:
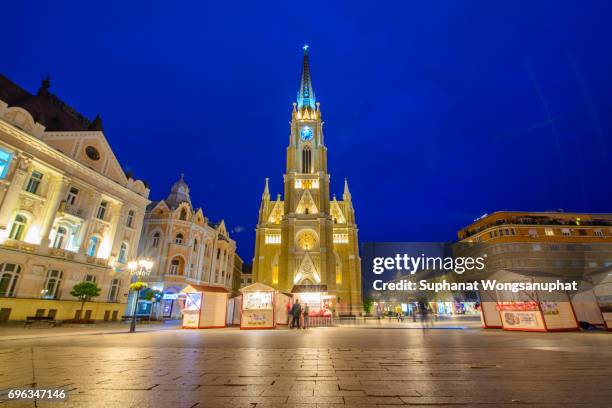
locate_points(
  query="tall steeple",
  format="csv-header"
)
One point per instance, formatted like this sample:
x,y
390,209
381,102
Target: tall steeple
x,y
266,192
306,95
346,196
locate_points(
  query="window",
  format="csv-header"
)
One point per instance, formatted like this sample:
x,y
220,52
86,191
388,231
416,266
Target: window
x,y
155,240
9,274
34,182
599,233
5,161
175,267
72,195
183,215
114,290
90,278
178,239
52,284
92,248
122,253
566,232
60,236
549,232
306,159
195,245
18,228
533,233
102,210
130,219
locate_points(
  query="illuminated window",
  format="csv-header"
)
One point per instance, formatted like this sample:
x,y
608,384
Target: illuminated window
x,y
18,228
341,239
53,283
9,275
5,161
599,233
92,248
549,232
60,236
273,239
34,182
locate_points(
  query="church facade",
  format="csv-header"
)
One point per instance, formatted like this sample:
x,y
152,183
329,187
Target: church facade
x,y
307,242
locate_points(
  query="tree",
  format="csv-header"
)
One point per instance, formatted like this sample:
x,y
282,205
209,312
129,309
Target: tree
x,y
154,296
85,291
367,306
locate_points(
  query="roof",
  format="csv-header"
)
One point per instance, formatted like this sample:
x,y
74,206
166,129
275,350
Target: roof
x,y
308,288
46,108
204,288
257,287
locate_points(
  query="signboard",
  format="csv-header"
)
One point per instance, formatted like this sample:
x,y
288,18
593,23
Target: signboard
x,y
530,320
257,318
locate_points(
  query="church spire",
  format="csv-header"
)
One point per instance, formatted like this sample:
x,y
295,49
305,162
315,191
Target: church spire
x,y
266,192
306,95
347,194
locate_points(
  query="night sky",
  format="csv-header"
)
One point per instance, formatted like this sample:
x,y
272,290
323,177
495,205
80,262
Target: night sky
x,y
437,112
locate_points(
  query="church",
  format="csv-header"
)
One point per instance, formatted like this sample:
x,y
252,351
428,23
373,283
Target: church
x,y
307,243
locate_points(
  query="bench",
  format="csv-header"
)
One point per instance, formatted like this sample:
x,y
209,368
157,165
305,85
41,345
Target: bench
x,y
44,319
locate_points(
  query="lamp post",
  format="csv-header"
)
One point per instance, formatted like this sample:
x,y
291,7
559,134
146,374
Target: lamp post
x,y
138,269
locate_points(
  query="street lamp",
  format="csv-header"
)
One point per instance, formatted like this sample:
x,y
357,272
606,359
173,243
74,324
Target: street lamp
x,y
138,269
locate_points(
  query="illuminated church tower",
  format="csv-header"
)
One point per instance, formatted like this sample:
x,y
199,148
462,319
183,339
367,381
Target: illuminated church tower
x,y
308,242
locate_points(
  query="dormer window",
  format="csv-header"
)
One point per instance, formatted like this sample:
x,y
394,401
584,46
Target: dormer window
x,y
183,215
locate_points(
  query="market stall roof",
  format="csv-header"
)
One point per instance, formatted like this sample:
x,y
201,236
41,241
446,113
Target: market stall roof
x,y
203,288
257,287
308,288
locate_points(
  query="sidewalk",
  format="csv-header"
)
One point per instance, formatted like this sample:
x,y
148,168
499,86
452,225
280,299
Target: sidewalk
x,y
17,331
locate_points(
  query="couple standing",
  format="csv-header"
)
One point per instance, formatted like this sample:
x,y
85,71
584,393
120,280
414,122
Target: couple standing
x,y
300,317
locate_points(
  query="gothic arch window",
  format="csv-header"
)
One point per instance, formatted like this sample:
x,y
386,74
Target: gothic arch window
x,y
195,245
338,269
178,239
306,159
9,275
155,240
183,216
275,269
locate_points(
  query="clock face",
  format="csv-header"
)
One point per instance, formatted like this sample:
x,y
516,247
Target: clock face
x,y
306,133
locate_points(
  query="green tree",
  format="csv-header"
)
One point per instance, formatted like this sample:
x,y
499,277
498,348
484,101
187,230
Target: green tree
x,y
85,291
367,306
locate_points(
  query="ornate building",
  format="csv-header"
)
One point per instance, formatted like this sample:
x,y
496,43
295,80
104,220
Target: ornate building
x,y
308,240
68,212
185,247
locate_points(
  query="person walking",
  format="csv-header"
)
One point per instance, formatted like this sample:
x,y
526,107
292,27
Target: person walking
x,y
306,317
296,311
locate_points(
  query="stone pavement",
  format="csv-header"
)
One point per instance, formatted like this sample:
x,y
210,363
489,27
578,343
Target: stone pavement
x,y
332,367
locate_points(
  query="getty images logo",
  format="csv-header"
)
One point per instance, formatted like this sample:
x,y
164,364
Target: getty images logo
x,y
412,264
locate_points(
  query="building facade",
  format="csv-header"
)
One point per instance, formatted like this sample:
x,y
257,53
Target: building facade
x,y
68,212
185,247
308,238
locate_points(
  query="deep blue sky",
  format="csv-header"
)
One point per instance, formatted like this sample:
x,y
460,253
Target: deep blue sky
x,y
436,111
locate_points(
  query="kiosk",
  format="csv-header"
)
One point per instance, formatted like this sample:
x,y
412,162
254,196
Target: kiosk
x,y
205,307
257,307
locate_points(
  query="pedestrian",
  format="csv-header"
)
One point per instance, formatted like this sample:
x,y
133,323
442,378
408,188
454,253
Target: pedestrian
x,y
306,317
288,311
296,311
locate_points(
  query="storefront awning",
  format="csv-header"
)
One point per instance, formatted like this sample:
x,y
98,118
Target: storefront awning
x,y
309,288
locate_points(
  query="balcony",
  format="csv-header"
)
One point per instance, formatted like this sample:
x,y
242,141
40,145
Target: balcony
x,y
73,210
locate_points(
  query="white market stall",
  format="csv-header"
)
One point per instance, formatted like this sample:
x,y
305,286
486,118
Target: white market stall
x,y
257,310
205,307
